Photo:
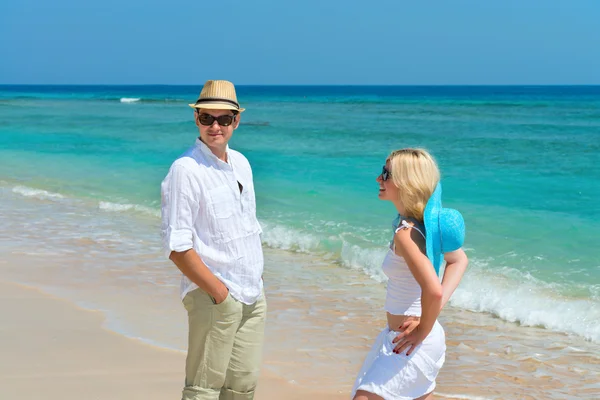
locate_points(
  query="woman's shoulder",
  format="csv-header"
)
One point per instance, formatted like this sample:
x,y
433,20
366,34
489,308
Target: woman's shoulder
x,y
408,236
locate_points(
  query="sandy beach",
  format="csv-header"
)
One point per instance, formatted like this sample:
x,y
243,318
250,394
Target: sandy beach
x,y
54,350
69,354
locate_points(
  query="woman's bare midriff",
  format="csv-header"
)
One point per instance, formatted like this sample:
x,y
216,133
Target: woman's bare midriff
x,y
396,321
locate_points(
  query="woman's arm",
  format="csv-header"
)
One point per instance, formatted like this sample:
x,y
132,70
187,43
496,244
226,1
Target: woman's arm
x,y
456,265
431,289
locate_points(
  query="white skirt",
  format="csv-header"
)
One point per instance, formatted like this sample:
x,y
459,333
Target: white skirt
x,y
400,377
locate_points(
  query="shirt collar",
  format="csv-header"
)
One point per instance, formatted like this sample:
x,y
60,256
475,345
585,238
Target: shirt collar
x,y
208,153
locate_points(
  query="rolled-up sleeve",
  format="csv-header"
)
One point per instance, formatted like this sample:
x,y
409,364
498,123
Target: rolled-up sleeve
x,y
178,213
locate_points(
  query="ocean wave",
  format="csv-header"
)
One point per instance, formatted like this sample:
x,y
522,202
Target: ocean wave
x,y
118,207
23,100
280,237
129,99
334,248
41,194
507,293
518,297
145,100
37,193
367,260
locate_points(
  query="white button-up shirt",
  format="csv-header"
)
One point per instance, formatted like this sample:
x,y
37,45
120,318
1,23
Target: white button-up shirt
x,y
202,208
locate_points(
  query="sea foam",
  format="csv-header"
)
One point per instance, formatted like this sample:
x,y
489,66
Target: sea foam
x,y
129,99
526,301
507,293
118,207
37,193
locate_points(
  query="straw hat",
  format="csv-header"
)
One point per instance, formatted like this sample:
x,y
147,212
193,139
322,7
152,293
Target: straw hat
x,y
444,229
218,95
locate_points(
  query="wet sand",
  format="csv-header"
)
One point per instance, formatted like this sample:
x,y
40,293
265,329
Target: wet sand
x,y
54,350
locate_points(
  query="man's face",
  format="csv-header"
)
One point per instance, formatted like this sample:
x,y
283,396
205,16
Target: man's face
x,y
215,134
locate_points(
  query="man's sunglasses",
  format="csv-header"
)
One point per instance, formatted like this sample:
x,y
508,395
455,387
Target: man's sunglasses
x,y
385,174
223,120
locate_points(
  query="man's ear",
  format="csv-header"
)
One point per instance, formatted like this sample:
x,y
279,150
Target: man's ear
x,y
196,113
238,117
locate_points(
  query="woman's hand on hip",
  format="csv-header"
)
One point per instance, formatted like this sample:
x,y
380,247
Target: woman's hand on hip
x,y
409,338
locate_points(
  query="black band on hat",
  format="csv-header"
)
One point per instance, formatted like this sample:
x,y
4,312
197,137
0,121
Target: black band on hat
x,y
217,100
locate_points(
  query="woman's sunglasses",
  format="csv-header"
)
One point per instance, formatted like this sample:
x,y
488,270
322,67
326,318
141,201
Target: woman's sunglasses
x,y
385,174
223,120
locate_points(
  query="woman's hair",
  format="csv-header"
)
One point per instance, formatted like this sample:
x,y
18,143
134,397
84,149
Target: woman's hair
x,y
416,174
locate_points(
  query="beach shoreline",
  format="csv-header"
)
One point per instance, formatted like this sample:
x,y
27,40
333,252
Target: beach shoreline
x,y
68,355
487,358
316,337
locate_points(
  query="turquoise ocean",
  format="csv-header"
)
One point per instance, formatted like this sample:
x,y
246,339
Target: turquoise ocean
x,y
81,166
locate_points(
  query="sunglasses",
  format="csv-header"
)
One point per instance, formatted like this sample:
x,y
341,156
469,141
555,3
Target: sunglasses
x,y
223,120
385,174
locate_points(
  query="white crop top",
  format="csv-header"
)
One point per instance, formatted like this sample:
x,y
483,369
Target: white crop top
x,y
403,291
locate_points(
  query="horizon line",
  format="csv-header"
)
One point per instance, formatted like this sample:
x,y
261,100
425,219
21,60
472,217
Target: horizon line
x,y
310,84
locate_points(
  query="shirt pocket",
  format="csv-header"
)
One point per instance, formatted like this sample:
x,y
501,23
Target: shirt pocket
x,y
251,224
248,200
222,202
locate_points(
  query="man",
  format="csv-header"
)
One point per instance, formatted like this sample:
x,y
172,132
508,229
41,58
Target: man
x,y
210,231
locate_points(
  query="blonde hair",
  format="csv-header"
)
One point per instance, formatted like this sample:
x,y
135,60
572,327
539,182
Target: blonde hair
x,y
415,173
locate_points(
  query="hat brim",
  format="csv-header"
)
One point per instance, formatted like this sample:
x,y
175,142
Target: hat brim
x,y
431,220
216,106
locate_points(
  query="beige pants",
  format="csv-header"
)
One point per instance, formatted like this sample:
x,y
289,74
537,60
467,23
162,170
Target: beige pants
x,y
224,347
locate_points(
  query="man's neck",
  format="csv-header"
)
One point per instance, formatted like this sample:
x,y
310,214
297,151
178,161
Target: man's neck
x,y
219,152
221,155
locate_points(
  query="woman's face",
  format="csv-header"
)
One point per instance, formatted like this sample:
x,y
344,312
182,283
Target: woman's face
x,y
387,189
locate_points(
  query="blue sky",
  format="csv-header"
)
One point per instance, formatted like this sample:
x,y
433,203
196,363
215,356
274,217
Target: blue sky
x,y
307,42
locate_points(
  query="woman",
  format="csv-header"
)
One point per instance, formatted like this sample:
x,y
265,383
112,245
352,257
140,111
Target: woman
x,y
408,354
